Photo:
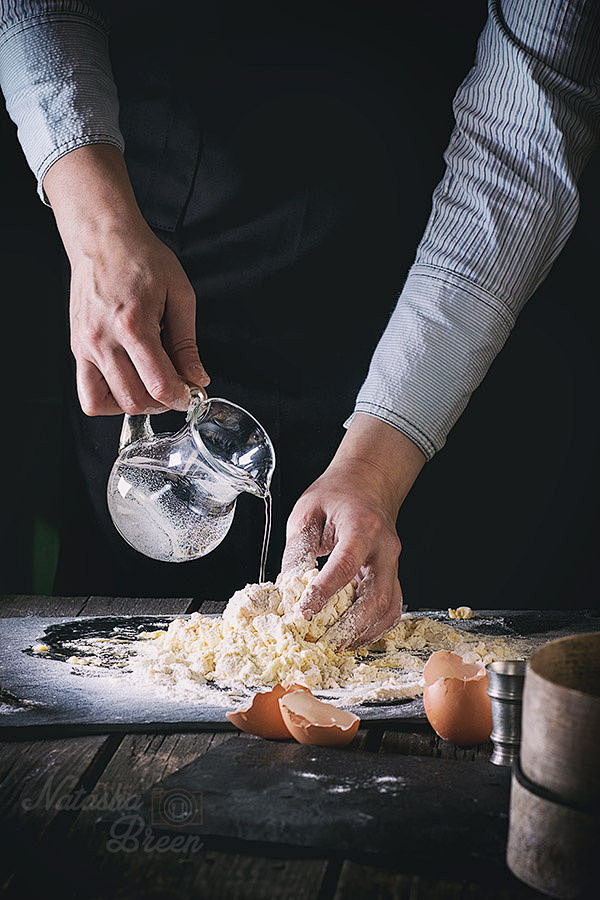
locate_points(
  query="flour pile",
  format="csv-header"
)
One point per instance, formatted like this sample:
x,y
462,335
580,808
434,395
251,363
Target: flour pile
x,y
262,638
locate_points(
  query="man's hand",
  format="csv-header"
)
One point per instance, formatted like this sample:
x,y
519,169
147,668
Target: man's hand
x,y
133,310
349,514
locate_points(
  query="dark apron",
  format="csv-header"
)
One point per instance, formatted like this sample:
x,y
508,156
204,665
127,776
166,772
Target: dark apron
x,y
273,170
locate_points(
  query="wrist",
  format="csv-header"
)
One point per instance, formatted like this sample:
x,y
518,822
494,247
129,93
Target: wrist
x,y
380,455
92,198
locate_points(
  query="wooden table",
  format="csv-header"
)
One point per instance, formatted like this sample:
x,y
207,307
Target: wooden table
x,y
51,834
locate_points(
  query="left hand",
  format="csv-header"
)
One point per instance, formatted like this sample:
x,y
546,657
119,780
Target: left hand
x,y
342,516
349,514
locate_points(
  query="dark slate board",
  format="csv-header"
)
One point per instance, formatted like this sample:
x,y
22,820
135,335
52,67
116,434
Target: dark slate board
x,y
48,696
437,812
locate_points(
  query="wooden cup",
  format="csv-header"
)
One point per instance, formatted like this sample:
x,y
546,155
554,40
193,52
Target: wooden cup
x,y
555,796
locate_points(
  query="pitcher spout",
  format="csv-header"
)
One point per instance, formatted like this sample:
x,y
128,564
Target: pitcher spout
x,y
236,443
262,483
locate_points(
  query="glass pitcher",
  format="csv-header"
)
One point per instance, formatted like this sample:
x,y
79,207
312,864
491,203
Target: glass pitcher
x,y
173,496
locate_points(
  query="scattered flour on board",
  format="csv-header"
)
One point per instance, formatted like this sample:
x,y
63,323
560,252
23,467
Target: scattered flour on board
x,y
262,638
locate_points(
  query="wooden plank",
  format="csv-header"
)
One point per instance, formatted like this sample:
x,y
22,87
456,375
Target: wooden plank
x,y
367,739
370,882
143,759
19,605
427,743
211,606
38,780
188,870
223,876
136,606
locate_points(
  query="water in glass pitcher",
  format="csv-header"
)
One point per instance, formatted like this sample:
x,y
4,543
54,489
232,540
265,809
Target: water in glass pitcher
x,y
167,515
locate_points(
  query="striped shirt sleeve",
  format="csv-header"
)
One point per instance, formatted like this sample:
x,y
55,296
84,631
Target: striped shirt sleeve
x,y
527,120
56,78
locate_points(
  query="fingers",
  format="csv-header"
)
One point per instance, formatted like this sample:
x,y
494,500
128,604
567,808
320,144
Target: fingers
x,y
302,544
348,555
391,617
94,394
156,370
128,363
118,390
121,293
126,386
378,608
179,335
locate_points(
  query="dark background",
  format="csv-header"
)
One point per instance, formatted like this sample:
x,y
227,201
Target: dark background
x,y
505,515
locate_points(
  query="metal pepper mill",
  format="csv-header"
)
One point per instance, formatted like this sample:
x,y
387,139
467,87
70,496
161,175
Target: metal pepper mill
x,y
505,690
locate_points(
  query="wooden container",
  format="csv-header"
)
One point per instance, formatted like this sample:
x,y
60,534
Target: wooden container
x,y
555,797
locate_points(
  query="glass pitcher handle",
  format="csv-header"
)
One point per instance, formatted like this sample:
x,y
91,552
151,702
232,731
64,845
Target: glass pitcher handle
x,y
138,428
135,428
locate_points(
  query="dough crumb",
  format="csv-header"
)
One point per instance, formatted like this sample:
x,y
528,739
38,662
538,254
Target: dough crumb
x,y
463,612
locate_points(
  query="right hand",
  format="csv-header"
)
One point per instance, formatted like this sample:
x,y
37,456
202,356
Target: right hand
x,y
122,291
132,308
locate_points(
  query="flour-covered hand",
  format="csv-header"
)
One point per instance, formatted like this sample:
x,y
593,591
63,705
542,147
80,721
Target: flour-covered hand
x,y
349,514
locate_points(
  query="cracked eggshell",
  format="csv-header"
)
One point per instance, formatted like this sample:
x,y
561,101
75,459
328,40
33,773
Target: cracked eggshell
x,y
262,715
311,721
455,698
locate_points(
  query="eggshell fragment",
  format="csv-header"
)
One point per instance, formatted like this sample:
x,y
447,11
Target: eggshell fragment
x,y
456,700
444,664
312,721
262,715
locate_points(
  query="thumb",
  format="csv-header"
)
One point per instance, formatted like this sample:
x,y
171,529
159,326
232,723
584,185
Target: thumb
x,y
179,335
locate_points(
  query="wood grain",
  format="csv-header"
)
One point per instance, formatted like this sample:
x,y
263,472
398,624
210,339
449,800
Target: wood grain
x,y
427,743
38,780
374,883
18,605
140,762
211,606
136,606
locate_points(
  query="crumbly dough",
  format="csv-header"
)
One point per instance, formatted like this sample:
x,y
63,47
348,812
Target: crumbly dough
x,y
253,605
463,612
262,638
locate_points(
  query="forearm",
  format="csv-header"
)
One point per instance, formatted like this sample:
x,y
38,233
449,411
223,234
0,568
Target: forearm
x,y
128,290
526,122
91,196
381,455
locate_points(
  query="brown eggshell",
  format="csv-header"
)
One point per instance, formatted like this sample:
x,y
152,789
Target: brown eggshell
x,y
312,721
262,715
456,700
443,664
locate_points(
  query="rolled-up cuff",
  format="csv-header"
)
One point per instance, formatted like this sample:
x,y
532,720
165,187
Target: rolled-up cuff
x,y
57,80
73,144
439,343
